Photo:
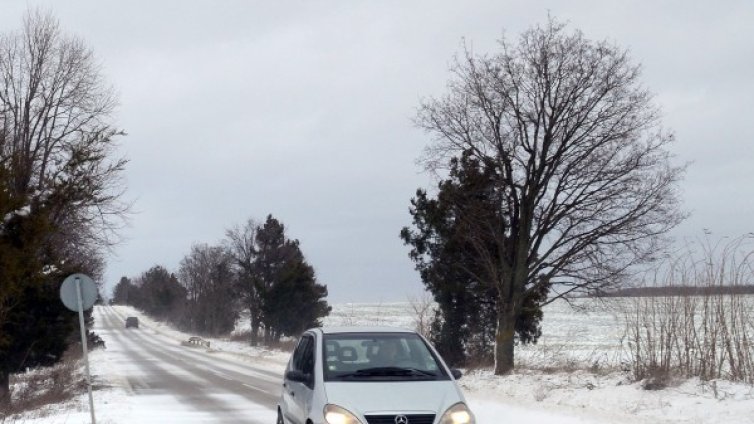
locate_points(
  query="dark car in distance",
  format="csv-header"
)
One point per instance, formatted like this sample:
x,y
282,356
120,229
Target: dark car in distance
x,y
132,322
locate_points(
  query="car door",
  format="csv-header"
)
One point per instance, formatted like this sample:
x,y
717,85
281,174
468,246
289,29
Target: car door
x,y
294,392
305,390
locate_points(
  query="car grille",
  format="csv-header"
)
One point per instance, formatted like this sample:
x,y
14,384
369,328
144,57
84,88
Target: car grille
x,y
390,419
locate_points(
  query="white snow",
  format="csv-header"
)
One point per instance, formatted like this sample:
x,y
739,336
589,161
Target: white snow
x,y
586,397
22,211
527,395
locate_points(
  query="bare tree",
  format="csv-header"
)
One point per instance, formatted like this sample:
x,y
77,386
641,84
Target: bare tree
x,y
242,246
585,182
60,182
424,313
58,140
206,273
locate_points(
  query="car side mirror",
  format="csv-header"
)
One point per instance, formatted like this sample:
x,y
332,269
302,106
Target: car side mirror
x,y
457,374
297,376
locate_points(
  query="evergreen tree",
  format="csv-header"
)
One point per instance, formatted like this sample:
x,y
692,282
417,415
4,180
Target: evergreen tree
x,y
124,292
295,302
35,327
446,229
160,294
291,298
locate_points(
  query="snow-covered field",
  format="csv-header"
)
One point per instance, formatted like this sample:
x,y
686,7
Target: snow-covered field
x,y
555,397
585,335
589,332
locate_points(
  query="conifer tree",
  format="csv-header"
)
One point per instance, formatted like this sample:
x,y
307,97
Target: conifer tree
x,y
450,266
292,300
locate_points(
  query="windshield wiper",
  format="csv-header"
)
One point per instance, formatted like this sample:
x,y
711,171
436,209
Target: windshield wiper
x,y
422,372
388,372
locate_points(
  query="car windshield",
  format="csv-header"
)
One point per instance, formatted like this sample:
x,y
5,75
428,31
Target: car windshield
x,y
379,357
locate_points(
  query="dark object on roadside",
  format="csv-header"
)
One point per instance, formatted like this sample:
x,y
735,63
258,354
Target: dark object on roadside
x,y
94,340
132,322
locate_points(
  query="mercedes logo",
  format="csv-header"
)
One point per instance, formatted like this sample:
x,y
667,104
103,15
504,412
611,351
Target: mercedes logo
x,y
401,419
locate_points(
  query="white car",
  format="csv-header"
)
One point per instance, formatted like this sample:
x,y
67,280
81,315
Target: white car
x,y
369,376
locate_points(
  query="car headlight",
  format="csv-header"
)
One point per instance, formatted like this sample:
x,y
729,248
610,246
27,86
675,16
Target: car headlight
x,y
458,414
334,414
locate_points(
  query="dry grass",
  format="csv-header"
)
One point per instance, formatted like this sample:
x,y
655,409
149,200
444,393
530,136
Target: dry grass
x,y
40,387
284,345
556,360
244,336
241,336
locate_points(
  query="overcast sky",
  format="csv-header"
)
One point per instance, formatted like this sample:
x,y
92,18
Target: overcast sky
x,y
237,109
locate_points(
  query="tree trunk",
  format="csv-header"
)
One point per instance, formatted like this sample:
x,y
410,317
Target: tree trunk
x,y
4,389
267,335
504,338
254,332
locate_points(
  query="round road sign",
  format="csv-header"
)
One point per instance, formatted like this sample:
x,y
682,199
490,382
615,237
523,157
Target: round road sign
x,y
88,292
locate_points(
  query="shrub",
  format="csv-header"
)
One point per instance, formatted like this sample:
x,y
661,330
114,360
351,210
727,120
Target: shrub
x,y
688,334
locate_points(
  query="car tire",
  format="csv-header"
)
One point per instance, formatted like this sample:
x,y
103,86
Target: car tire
x,y
280,418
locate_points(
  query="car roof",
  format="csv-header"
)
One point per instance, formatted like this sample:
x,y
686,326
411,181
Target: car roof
x,y
354,329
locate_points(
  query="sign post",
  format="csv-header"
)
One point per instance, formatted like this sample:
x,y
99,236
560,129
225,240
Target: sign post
x,y
78,293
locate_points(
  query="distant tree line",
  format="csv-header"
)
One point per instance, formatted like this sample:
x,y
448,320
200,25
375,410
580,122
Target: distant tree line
x,y
680,290
256,271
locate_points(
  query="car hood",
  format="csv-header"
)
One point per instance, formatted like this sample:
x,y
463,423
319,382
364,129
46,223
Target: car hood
x,y
364,398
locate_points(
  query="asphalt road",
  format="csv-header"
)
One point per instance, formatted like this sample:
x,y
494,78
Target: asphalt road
x,y
166,377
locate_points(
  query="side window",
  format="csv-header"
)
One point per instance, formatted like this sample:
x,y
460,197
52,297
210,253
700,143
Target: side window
x,y
307,360
303,359
298,354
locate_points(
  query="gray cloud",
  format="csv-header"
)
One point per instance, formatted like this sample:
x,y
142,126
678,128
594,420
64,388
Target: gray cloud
x,y
303,110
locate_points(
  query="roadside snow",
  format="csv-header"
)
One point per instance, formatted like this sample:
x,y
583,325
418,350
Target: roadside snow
x,y
611,398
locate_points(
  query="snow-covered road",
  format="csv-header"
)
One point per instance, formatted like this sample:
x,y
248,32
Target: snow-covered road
x,y
167,382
